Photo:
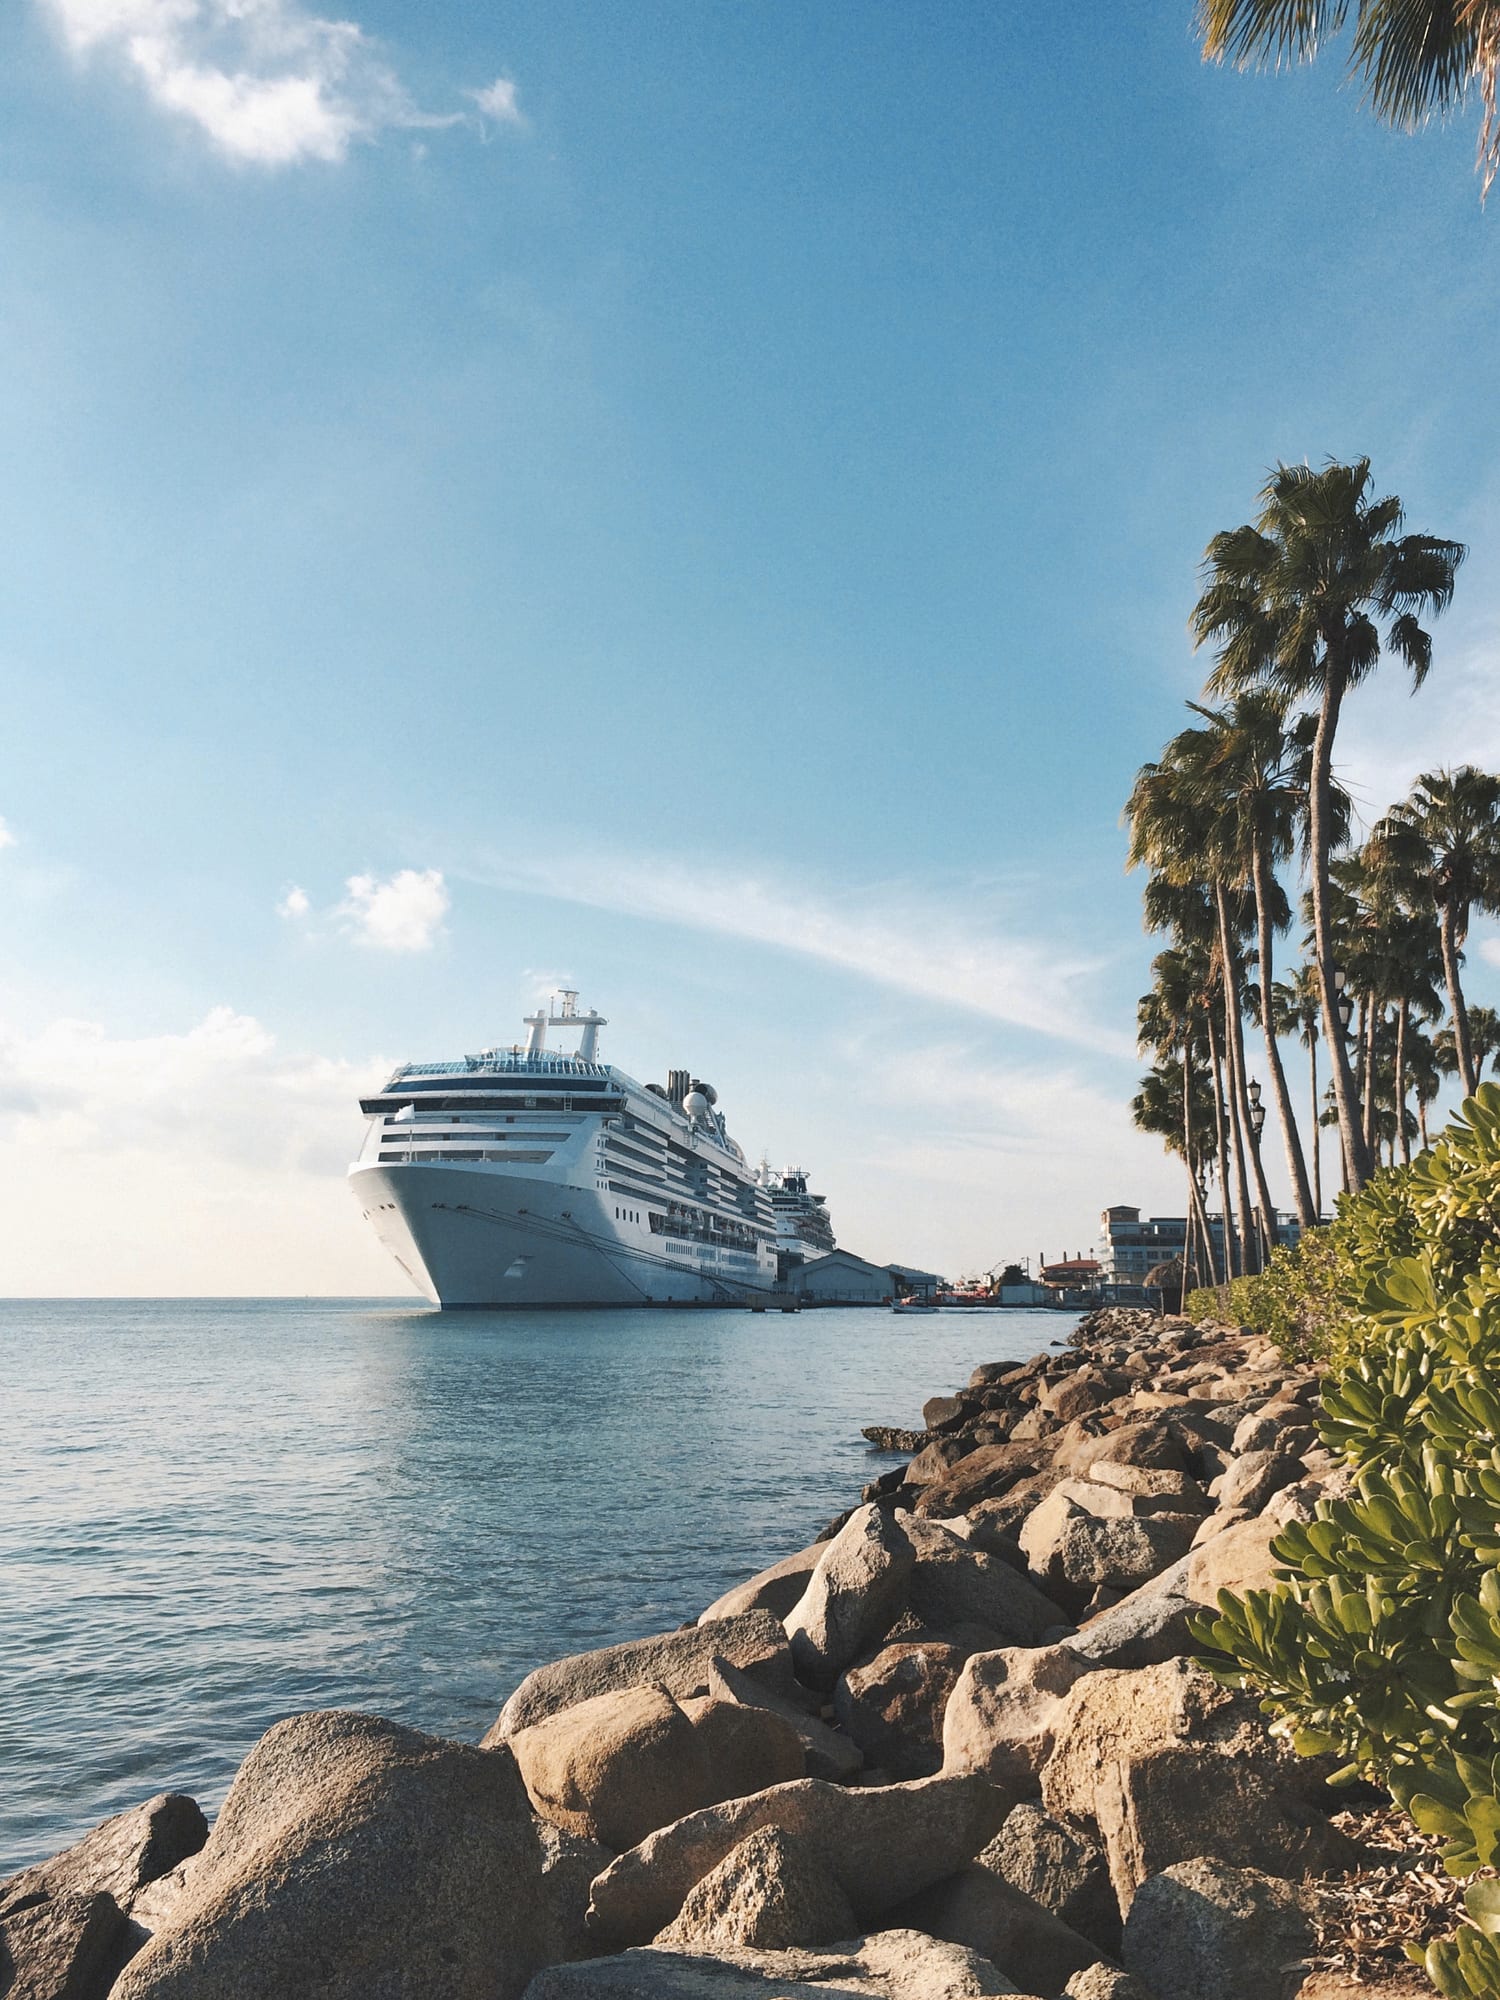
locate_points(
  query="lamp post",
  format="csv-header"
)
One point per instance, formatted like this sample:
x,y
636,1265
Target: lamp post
x,y
1257,1126
1343,1002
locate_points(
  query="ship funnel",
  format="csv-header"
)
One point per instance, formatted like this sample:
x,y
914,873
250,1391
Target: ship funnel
x,y
679,1083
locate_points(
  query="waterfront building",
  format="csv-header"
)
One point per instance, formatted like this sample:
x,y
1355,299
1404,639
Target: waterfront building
x,y
1132,1245
842,1279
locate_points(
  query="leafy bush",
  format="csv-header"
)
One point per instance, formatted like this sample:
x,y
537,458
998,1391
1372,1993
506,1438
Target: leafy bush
x,y
1383,1642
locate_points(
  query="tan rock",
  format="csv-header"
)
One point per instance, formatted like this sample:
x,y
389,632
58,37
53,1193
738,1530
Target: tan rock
x,y
616,1767
770,1893
120,1856
746,1747
984,1474
852,1597
1204,1931
980,1909
882,1843
827,1753
1001,1717
775,1589
1057,1865
1177,1802
348,1845
1237,1559
754,1641
955,1582
891,1965
63,1946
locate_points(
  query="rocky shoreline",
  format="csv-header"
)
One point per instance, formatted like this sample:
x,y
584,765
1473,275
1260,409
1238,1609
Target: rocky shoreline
x,y
956,1747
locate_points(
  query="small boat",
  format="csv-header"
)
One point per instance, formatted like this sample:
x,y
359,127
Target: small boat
x,y
913,1306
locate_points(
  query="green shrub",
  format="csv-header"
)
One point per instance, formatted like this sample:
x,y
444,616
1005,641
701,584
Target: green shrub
x,y
1382,1643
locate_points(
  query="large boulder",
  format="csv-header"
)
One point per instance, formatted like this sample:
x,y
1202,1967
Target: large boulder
x,y
1002,1714
1058,1866
1151,1442
1144,1629
1237,1559
67,1924
892,1965
63,1946
826,1753
1173,1803
1250,1480
775,1589
1110,1715
120,1856
1078,1392
892,1705
984,1474
1202,1931
882,1844
982,1910
771,1892
1084,1554
753,1641
956,1583
852,1597
355,1857
1104,1982
745,1748
614,1768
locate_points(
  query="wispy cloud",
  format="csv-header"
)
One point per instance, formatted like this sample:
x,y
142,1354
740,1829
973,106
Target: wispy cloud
x,y
941,949
266,81
7,838
498,102
403,913
294,905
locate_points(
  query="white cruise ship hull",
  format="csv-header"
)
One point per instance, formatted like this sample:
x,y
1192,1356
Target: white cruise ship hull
x,y
467,1237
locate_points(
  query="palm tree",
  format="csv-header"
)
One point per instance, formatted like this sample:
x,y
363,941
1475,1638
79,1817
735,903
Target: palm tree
x,y
1169,1103
1484,1042
1170,1024
1415,56
1172,829
1253,780
1441,847
1296,604
1296,1005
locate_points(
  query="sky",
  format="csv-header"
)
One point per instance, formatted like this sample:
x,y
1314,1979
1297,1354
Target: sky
x,y
700,505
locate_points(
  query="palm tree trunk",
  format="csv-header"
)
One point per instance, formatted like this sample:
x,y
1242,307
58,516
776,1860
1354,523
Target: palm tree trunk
x,y
1364,1072
1463,1046
1231,1257
1373,1077
1422,1121
1319,842
1187,1157
1246,1148
1296,1164
1403,1012
1317,1130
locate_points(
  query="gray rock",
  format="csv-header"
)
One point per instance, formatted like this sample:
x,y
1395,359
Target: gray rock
x,y
1203,1931
347,1847
1089,1554
852,1597
775,1589
828,1753
754,1641
569,1865
891,1965
982,1910
882,1843
771,1892
1058,1866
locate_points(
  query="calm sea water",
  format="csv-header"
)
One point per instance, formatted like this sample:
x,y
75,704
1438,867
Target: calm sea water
x,y
215,1513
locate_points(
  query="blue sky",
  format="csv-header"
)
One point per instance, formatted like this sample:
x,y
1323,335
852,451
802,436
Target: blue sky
x,y
721,490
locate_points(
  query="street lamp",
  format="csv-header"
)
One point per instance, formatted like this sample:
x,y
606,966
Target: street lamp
x,y
1257,1109
1343,1003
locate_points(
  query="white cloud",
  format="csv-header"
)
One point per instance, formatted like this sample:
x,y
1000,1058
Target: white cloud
x,y
498,102
403,913
945,950
294,905
199,1161
266,81
7,838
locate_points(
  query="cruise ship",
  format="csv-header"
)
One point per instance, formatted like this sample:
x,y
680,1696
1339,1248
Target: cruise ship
x,y
527,1176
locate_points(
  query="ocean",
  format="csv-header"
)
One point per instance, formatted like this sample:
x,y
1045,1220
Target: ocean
x,y
214,1513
